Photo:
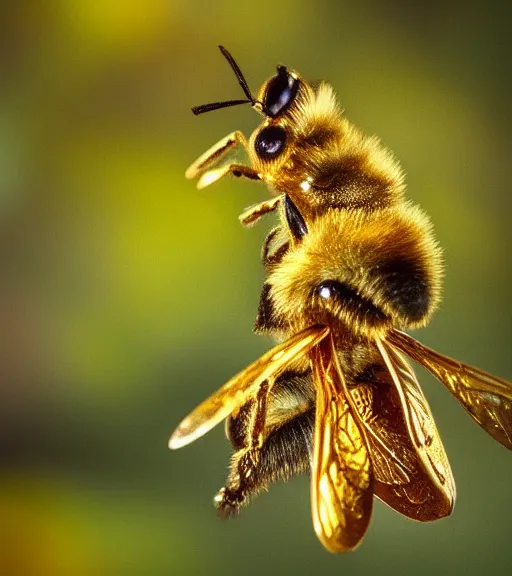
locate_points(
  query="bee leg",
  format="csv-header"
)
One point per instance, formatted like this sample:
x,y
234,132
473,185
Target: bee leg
x,y
274,248
242,474
254,213
238,170
216,153
285,453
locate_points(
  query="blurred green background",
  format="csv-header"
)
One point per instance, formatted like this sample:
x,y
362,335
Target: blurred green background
x,y
126,296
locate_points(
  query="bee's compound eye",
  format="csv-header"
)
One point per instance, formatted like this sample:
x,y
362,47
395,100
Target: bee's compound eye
x,y
270,142
280,93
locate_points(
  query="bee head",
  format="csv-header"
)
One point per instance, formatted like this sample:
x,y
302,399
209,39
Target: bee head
x,y
356,271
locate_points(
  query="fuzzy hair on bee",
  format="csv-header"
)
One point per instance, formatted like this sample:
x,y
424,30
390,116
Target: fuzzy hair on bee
x,y
351,265
368,270
286,438
323,156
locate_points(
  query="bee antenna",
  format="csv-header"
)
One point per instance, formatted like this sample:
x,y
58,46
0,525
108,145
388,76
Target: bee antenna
x,y
238,73
216,105
241,80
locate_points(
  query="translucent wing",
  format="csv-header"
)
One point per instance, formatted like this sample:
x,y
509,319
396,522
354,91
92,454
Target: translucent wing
x,y
437,482
401,481
244,385
487,399
341,481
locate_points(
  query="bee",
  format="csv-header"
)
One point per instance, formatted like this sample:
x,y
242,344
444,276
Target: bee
x,y
352,266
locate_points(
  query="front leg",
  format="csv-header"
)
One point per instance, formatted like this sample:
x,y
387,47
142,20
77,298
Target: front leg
x,y
238,170
216,153
202,166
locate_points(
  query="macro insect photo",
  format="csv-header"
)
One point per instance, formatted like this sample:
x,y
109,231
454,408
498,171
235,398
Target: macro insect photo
x,y
287,260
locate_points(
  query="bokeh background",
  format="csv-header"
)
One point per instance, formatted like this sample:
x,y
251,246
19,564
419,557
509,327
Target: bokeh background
x,y
126,296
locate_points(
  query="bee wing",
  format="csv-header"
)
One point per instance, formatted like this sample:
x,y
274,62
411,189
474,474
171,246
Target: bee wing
x,y
244,385
487,399
341,480
401,481
421,429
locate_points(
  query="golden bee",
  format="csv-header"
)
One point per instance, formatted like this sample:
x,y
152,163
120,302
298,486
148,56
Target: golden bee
x,y
351,267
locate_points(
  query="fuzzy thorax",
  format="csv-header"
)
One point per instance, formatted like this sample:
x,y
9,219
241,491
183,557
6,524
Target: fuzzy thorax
x,y
360,272
326,162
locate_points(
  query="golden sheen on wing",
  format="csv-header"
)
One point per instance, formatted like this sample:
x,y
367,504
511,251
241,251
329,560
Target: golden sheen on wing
x,y
352,265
